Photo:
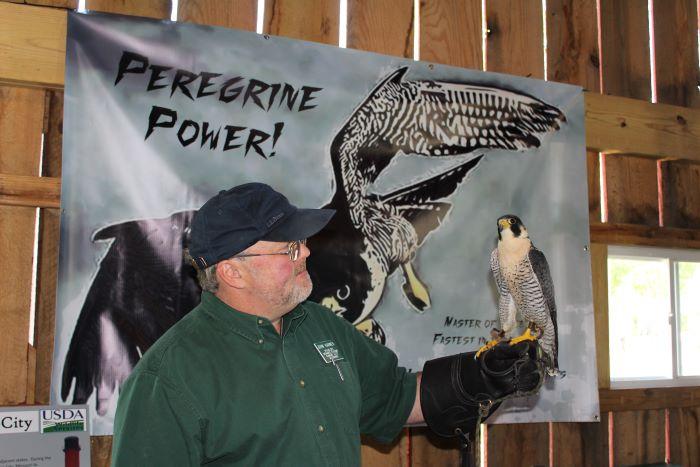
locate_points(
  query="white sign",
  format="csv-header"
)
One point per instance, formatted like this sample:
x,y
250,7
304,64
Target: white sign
x,y
19,422
42,436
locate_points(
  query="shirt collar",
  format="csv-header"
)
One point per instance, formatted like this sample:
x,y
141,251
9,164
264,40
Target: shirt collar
x,y
245,324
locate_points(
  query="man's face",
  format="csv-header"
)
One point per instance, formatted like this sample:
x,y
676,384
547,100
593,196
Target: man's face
x,y
276,278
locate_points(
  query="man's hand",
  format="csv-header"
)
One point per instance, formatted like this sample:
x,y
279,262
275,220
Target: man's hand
x,y
512,369
460,391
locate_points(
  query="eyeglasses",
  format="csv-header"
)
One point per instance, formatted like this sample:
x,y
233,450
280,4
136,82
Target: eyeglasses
x,y
293,250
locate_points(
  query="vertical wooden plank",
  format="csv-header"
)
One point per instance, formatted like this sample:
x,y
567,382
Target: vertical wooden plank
x,y
638,437
29,398
514,41
632,194
21,122
44,324
148,8
47,261
519,444
100,451
310,20
16,242
430,450
374,454
685,436
573,57
382,26
624,30
386,26
451,32
676,56
572,43
676,52
593,177
239,14
53,134
681,198
580,444
599,273
632,189
515,45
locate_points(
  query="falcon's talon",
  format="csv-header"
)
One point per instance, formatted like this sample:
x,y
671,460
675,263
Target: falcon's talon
x,y
486,347
526,336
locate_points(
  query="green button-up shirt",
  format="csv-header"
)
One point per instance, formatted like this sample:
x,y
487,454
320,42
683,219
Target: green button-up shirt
x,y
222,387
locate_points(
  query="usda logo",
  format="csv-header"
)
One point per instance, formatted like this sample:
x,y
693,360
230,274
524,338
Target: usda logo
x,y
63,420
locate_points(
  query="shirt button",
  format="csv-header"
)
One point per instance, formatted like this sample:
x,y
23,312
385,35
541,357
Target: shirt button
x,y
321,429
260,321
260,341
302,383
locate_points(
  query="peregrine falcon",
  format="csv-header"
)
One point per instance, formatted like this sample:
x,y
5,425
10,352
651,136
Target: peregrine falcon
x,y
524,284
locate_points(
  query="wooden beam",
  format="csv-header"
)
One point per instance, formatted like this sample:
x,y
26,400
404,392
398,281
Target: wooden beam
x,y
642,235
32,45
622,125
617,400
24,190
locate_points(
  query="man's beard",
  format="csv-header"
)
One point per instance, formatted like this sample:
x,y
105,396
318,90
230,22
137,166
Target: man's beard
x,y
297,294
300,292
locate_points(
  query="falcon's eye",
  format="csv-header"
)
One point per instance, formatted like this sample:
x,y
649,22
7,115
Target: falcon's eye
x,y
511,221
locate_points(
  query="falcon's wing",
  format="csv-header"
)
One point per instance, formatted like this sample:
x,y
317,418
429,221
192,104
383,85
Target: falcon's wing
x,y
434,118
141,288
541,269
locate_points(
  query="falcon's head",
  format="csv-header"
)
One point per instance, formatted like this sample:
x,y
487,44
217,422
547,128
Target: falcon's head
x,y
510,226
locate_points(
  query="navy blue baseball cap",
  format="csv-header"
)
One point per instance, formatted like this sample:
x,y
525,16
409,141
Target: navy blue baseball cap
x,y
236,219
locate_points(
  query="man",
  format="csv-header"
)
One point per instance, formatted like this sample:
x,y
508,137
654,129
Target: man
x,y
255,375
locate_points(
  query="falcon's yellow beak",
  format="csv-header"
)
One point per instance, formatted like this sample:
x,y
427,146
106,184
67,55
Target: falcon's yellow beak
x,y
503,223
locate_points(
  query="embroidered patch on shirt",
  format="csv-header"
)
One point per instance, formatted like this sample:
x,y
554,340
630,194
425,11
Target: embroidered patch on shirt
x,y
329,351
330,354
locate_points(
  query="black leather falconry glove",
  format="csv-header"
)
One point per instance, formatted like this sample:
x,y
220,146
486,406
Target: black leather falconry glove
x,y
460,391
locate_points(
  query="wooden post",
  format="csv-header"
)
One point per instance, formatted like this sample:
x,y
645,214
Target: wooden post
x,y
238,14
309,20
386,26
515,45
451,33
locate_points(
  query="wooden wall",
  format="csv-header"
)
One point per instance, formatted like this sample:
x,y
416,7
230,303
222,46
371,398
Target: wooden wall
x,y
648,196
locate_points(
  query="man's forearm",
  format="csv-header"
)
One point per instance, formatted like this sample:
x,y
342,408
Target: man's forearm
x,y
416,415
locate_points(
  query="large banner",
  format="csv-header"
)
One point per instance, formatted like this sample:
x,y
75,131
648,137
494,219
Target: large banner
x,y
419,161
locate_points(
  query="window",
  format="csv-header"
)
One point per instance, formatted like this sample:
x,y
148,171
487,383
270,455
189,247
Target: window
x,y
654,317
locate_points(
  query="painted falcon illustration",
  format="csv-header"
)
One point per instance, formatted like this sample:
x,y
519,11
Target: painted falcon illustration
x,y
143,285
524,285
379,234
